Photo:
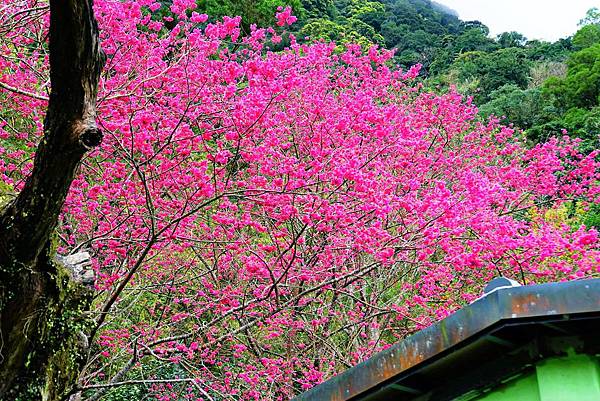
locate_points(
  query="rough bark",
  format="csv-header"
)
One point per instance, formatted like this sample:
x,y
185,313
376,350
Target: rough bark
x,y
42,306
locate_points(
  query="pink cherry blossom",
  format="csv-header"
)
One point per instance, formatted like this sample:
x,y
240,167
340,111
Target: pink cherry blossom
x,y
268,219
285,17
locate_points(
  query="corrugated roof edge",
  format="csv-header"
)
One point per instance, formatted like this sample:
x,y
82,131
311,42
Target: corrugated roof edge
x,y
542,300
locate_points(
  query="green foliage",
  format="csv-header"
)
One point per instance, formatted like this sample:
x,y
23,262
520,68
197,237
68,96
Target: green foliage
x,y
511,39
260,12
6,194
126,393
591,17
493,70
587,36
369,12
319,9
592,217
559,96
504,66
473,39
345,30
581,86
419,30
583,124
545,51
322,28
352,21
525,108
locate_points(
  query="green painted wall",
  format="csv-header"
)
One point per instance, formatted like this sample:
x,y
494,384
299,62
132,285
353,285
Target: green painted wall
x,y
523,388
573,378
570,378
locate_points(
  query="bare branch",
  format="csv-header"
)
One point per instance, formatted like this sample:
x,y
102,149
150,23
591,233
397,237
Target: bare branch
x,y
23,92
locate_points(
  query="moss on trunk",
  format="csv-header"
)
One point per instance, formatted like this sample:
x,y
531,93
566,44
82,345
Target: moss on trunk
x,y
43,326
42,308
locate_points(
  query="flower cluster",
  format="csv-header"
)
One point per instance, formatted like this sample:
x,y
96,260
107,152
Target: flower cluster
x,y
269,219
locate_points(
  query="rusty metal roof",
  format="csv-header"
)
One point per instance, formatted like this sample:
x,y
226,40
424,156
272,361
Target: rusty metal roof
x,y
495,327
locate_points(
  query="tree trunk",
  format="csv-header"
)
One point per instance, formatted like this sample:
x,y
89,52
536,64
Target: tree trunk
x,y
42,306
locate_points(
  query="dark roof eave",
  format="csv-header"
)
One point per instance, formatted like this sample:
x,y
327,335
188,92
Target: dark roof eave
x,y
509,304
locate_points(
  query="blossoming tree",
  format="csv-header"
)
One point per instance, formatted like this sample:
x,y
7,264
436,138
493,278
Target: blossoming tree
x,y
260,220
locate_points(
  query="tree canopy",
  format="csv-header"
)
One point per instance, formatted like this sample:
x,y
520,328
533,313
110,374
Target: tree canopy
x,y
264,212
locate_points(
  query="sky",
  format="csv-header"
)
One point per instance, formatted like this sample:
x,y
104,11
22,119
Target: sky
x,y
536,19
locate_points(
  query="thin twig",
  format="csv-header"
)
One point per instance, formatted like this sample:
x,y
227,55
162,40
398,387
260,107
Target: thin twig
x,y
23,92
